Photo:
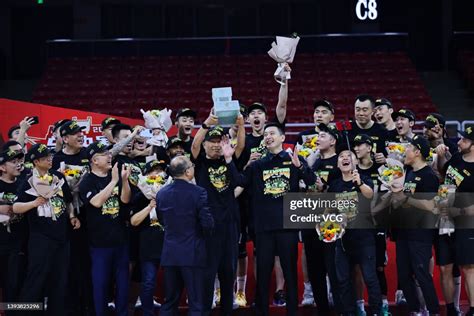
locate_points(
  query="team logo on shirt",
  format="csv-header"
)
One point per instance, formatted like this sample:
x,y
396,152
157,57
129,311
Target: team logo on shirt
x,y
218,178
351,209
58,205
409,187
276,182
261,149
111,206
7,197
134,174
453,176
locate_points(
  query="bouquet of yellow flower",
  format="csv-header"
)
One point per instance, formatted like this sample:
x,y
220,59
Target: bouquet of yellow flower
x,y
396,151
158,119
392,175
150,185
330,231
155,180
46,186
445,199
74,175
309,145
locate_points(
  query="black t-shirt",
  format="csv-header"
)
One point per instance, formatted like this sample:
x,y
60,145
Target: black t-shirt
x,y
372,172
219,180
377,133
105,225
79,159
359,230
187,145
417,221
306,135
461,173
58,229
122,160
392,135
151,234
327,169
14,236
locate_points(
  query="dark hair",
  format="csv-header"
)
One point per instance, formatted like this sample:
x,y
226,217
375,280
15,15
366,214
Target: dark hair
x,y
366,97
178,166
277,125
120,127
12,129
9,144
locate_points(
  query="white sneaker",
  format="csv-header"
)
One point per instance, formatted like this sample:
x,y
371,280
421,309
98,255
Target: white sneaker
x,y
400,298
156,304
308,299
111,305
330,299
138,304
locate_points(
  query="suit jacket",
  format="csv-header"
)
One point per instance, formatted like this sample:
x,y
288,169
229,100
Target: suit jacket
x,y
183,208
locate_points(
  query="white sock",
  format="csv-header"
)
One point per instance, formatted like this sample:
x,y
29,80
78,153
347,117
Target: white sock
x,y
457,291
241,283
217,285
307,286
361,305
384,301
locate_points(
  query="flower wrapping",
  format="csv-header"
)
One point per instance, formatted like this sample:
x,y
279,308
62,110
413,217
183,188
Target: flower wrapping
x,y
150,185
160,119
46,187
329,231
392,175
309,145
74,176
283,51
445,199
396,151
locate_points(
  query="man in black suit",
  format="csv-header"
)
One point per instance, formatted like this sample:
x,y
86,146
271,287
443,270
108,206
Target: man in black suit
x,y
182,208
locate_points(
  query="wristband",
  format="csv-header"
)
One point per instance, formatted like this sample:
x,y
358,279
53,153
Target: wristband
x,y
204,126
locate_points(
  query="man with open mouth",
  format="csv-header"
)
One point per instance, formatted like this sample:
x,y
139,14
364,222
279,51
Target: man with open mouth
x,y
185,124
404,120
383,115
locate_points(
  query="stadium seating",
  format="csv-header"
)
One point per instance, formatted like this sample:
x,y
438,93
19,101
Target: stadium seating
x,y
465,63
123,85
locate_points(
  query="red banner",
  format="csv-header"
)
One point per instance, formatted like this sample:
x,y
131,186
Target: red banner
x,y
12,112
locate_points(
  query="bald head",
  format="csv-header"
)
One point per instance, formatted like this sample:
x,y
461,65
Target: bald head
x,y
179,165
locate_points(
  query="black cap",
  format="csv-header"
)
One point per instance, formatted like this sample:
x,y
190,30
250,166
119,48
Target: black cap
x,y
186,112
363,139
109,121
324,103
9,154
256,106
70,128
174,141
422,144
150,165
330,129
404,113
214,132
434,119
96,148
59,123
467,133
37,151
12,129
383,101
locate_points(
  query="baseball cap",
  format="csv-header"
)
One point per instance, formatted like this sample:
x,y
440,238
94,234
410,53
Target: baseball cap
x,y
404,113
149,166
330,129
324,103
96,148
70,128
59,123
256,106
9,154
422,144
38,151
467,133
215,132
434,119
109,121
383,101
186,112
363,139
174,141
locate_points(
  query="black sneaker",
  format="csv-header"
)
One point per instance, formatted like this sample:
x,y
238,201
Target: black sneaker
x,y
279,298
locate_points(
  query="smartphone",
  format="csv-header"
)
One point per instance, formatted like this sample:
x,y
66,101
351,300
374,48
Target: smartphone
x,y
35,120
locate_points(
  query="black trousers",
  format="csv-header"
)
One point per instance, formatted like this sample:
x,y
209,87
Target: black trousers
x,y
47,274
320,262
175,280
222,253
285,245
413,259
12,275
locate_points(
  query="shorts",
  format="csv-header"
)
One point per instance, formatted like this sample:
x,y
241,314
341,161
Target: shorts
x,y
381,257
445,249
464,243
243,244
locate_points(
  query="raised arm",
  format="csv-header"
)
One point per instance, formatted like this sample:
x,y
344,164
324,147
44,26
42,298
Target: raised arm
x,y
201,133
282,99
